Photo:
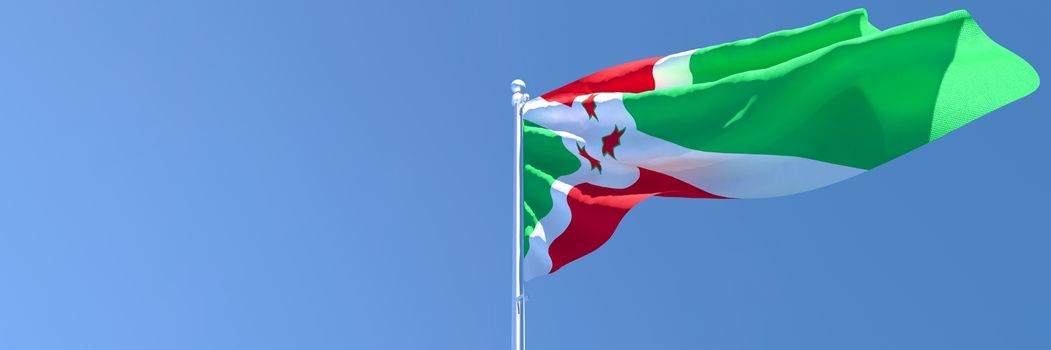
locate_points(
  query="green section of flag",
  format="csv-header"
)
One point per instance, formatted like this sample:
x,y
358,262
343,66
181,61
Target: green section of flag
x,y
545,158
983,76
720,61
859,102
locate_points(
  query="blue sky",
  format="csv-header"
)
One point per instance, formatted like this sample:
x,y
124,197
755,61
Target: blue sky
x,y
336,175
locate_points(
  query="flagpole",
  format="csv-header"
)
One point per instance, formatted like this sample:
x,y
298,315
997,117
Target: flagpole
x,y
518,100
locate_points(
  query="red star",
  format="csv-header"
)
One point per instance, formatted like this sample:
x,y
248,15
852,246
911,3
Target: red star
x,y
589,106
595,164
611,141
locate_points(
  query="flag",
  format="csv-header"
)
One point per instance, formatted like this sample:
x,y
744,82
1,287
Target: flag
x,y
784,113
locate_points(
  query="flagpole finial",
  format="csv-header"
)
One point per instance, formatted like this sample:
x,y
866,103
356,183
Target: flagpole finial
x,y
520,97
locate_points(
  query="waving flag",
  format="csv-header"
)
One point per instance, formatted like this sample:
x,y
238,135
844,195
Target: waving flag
x,y
785,113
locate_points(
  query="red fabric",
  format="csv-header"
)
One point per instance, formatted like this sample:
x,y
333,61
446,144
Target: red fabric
x,y
598,210
634,76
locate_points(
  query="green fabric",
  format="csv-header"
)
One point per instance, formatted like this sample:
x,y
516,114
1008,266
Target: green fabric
x,y
545,159
982,77
858,102
716,62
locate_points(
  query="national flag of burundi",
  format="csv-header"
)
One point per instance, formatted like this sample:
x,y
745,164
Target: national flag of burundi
x,y
788,112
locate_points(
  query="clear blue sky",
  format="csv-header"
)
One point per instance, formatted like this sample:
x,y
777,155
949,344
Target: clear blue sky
x,y
336,175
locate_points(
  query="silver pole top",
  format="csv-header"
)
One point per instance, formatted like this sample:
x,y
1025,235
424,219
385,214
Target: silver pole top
x,y
519,97
517,85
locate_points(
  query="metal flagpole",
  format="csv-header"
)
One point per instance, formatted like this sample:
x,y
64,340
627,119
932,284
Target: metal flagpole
x,y
518,100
